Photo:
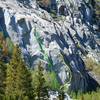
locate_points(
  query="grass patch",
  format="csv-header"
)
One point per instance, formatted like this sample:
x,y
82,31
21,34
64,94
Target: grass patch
x,y
95,95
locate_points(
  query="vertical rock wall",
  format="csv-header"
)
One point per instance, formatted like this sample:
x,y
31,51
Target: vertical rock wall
x,y
61,44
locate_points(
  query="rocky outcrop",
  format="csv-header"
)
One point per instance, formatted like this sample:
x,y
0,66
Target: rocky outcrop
x,y
61,43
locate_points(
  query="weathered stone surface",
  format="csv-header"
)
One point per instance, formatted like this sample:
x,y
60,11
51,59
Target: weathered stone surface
x,y
64,42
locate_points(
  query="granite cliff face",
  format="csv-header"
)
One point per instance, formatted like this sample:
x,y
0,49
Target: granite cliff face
x,y
61,35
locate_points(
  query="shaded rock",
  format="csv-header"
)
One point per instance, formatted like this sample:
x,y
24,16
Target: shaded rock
x,y
60,44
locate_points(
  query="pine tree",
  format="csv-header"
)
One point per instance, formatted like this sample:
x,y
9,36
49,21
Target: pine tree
x,y
2,65
3,48
18,81
40,89
2,77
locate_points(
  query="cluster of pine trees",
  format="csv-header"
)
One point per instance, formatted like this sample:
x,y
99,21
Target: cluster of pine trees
x,y
16,79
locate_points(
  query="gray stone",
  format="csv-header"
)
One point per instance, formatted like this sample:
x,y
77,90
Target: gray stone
x,y
61,40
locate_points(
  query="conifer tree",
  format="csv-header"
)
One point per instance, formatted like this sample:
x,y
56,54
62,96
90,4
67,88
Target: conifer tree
x,y
18,81
2,77
40,89
3,48
2,66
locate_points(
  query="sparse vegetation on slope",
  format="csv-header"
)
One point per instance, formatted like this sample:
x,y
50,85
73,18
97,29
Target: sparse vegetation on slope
x,y
87,96
92,65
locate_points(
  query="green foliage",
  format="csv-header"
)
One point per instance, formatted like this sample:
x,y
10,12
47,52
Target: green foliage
x,y
51,80
87,96
14,97
40,89
49,60
3,47
42,49
6,46
2,77
97,8
10,45
18,80
53,14
39,40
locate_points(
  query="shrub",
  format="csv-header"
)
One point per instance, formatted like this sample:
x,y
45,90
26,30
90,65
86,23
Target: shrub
x,y
92,65
51,80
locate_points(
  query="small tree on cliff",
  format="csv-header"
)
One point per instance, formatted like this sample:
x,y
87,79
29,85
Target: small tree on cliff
x,y
18,80
40,90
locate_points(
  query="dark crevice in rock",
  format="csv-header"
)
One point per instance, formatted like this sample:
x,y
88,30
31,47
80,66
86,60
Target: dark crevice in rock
x,y
26,3
2,23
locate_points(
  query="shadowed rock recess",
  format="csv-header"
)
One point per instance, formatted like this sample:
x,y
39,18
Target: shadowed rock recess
x,y
60,33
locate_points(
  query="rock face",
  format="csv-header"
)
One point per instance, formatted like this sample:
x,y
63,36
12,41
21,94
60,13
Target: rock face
x,y
61,43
